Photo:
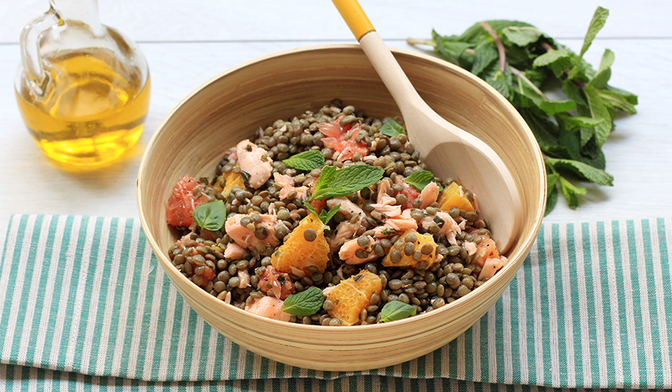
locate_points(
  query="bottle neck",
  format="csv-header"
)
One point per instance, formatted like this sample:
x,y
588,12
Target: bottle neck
x,y
83,11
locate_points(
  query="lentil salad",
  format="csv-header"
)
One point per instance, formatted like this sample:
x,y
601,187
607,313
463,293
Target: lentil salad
x,y
407,239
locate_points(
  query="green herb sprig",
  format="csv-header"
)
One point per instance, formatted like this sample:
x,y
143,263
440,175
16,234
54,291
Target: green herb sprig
x,y
307,160
521,62
325,214
396,310
420,179
210,216
345,181
391,128
305,303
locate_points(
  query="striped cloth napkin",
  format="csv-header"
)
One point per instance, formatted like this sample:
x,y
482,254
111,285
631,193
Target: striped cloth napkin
x,y
84,303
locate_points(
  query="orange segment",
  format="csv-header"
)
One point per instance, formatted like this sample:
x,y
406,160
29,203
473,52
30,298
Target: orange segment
x,y
352,295
451,197
297,253
231,179
397,256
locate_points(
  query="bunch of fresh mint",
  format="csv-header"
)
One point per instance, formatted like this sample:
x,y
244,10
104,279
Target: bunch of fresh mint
x,y
521,62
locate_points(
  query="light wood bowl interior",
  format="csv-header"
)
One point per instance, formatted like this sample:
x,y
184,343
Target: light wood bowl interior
x,y
232,105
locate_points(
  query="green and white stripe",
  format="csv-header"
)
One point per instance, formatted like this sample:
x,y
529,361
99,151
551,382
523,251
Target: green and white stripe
x,y
83,303
33,379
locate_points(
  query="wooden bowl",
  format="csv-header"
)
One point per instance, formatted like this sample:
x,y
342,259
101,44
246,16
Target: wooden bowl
x,y
235,103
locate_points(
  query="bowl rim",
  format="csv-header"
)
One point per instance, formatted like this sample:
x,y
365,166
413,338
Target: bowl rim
x,y
522,248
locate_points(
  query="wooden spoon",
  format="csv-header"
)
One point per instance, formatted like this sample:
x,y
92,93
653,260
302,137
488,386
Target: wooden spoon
x,y
448,150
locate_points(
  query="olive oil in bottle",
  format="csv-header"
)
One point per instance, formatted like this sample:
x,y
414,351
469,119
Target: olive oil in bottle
x,y
82,87
92,110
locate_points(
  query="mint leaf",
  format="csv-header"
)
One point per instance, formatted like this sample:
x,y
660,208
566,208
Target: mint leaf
x,y
391,128
551,191
628,96
305,303
575,122
522,36
396,310
573,92
310,208
607,60
449,47
552,57
345,181
570,192
554,107
617,101
590,173
210,216
498,82
596,24
484,55
551,200
325,216
324,180
601,78
420,179
307,160
598,111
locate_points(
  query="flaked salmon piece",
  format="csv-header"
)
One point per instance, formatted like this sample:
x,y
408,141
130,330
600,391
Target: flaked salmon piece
x,y
343,139
233,156
348,252
254,161
288,187
383,198
344,231
429,194
449,227
234,251
348,208
268,307
389,211
385,204
245,237
486,248
470,247
279,283
244,277
396,224
491,266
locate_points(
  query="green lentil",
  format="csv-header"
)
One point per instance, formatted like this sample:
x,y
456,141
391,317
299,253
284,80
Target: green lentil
x,y
309,235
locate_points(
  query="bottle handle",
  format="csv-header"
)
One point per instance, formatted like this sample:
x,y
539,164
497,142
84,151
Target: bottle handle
x,y
31,35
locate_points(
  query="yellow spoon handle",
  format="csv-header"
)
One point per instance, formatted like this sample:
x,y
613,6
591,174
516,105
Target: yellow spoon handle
x,y
354,16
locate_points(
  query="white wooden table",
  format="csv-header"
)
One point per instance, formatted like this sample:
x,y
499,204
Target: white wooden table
x,y
188,42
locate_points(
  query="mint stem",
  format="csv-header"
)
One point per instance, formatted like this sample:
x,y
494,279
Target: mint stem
x,y
502,58
500,47
528,81
416,41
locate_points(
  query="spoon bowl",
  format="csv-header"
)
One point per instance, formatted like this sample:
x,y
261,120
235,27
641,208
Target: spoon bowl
x,y
447,149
